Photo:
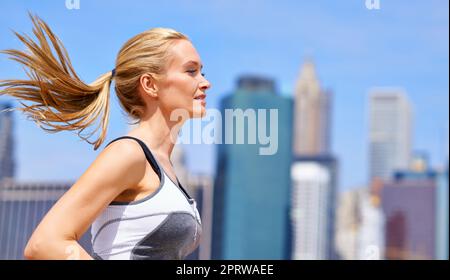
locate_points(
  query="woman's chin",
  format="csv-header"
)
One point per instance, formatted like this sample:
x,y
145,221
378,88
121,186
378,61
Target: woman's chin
x,y
198,113
198,110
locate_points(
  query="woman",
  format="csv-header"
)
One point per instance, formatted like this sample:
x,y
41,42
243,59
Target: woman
x,y
130,194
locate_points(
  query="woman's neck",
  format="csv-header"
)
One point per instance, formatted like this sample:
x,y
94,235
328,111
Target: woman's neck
x,y
158,132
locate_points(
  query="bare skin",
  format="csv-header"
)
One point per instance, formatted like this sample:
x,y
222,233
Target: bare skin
x,y
121,171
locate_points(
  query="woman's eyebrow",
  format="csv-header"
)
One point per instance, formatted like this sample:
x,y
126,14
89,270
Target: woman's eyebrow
x,y
193,62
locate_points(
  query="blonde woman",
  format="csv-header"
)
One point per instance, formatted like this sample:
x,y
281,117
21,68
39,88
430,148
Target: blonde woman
x,y
130,194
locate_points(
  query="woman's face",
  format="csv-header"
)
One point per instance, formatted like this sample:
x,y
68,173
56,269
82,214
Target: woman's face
x,y
184,86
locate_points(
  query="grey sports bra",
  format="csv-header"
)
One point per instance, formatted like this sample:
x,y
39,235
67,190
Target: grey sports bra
x,y
164,225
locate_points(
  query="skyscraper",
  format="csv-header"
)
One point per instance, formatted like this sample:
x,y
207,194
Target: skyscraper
x,y
442,213
389,132
312,113
313,207
409,206
251,192
347,225
371,237
360,226
7,165
22,207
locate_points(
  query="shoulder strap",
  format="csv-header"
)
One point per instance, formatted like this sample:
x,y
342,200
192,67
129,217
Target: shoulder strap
x,y
148,154
182,189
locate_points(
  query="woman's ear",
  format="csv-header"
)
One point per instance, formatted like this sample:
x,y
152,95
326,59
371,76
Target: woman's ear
x,y
148,85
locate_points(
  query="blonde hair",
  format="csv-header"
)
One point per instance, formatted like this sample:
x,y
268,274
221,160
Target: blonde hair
x,y
62,101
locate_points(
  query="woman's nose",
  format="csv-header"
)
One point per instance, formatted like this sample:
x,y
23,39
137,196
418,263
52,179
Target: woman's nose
x,y
205,84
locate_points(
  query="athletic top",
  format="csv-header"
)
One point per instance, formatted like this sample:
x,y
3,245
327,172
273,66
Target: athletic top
x,y
164,225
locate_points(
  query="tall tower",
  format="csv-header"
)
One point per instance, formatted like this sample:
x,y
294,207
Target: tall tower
x,y
409,205
313,171
251,192
311,114
390,132
442,213
313,207
7,165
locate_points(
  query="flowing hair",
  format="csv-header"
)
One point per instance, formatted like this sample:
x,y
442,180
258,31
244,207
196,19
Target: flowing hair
x,y
60,100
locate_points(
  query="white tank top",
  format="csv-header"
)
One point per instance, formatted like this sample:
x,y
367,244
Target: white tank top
x,y
164,225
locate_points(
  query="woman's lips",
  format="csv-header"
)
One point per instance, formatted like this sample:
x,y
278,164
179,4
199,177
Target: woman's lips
x,y
201,98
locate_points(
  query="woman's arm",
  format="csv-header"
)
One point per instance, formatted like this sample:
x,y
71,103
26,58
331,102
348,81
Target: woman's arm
x,y
119,167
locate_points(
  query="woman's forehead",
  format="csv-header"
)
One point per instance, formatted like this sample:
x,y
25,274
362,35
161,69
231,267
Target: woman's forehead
x,y
184,53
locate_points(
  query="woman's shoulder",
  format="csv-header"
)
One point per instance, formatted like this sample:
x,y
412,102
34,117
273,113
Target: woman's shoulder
x,y
125,149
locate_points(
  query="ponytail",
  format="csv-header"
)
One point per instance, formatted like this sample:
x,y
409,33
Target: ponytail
x,y
60,99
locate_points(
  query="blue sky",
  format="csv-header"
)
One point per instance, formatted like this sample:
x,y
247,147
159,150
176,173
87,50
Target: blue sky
x,y
404,44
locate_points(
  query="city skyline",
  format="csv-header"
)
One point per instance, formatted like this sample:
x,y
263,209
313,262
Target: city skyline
x,y
352,48
367,176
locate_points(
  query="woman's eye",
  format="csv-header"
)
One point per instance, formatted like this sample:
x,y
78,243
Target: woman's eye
x,y
194,71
